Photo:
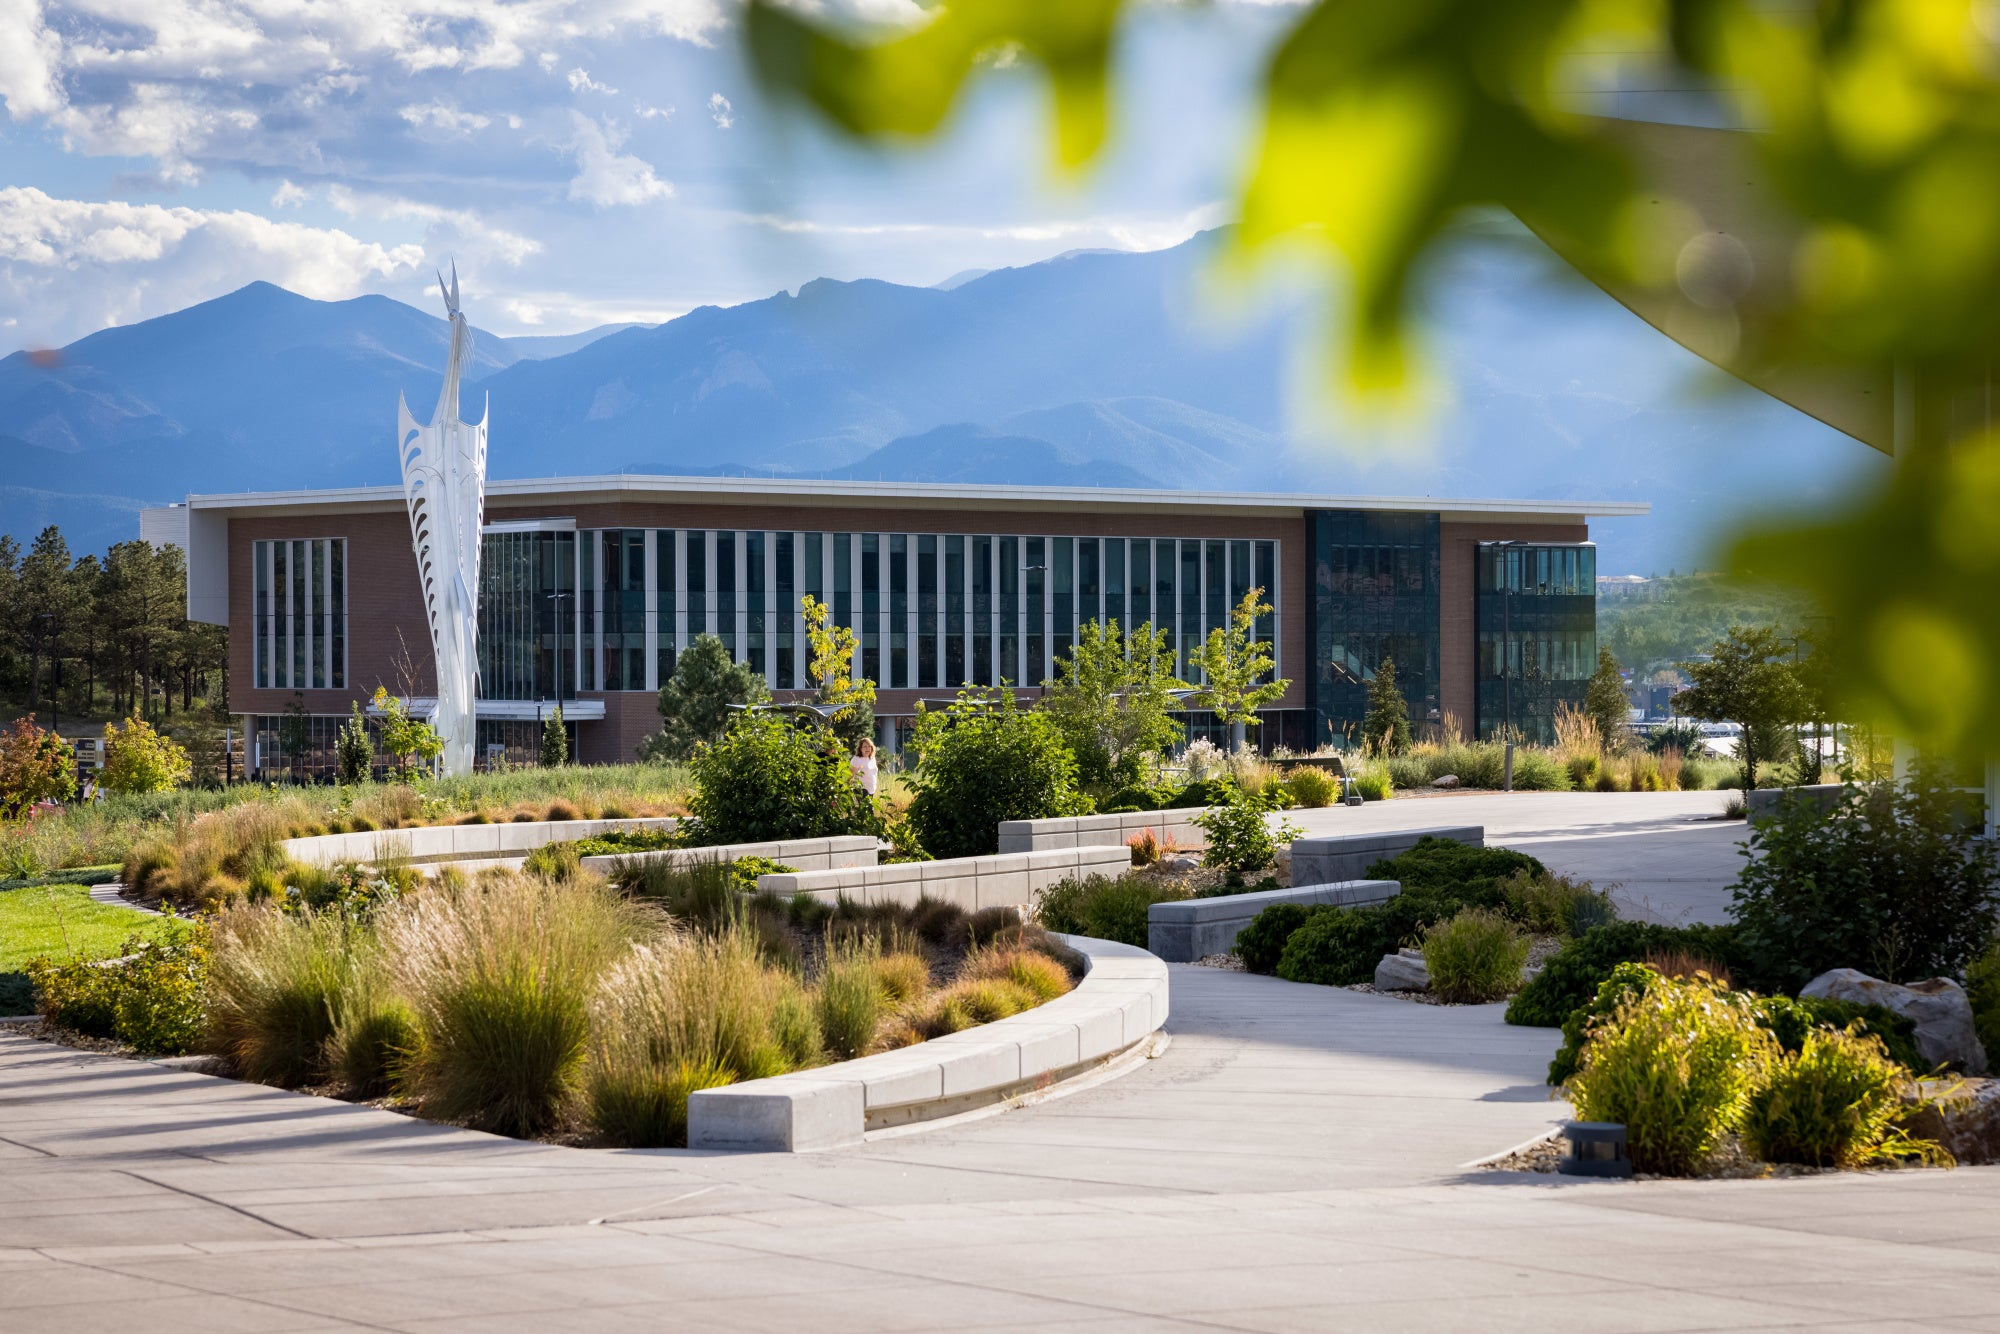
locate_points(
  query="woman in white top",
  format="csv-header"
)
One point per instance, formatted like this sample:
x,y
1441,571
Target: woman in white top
x,y
862,766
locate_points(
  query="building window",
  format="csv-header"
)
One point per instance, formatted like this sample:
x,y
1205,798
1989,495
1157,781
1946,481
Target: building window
x,y
784,615
899,611
927,611
527,626
666,604
1010,611
1038,574
1062,586
1375,597
982,611
954,612
1537,634
299,613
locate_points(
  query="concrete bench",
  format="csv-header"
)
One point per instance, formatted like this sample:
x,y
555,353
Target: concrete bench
x,y
1196,928
1338,857
463,842
1005,880
1121,1002
807,854
1081,831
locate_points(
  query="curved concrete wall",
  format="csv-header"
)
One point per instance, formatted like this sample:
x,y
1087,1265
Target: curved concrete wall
x,y
444,842
1121,1002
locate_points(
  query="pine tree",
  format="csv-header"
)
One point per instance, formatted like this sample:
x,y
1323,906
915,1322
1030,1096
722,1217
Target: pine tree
x,y
694,703
1604,700
354,752
555,741
1387,724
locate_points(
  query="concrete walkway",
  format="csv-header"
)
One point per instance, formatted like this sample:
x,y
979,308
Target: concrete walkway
x,y
1664,855
1293,1162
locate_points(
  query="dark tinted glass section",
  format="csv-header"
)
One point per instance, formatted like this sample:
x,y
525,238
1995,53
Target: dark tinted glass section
x,y
1036,568
1062,586
954,612
697,584
871,606
982,610
725,590
664,601
1537,627
1114,580
756,594
1142,582
1089,581
927,611
527,605
785,609
1375,596
1010,613
1190,582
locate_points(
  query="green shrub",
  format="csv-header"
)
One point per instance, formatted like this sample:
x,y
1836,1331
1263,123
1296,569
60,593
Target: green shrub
x,y
1373,782
150,998
1262,943
1474,957
1539,771
1239,837
275,982
1443,862
1204,792
1103,908
1573,974
1312,787
981,761
1675,1065
500,975
618,842
1791,1019
1139,797
766,780
1583,771
554,861
1556,905
1835,1102
1338,947
1626,981
1884,882
743,872
1982,988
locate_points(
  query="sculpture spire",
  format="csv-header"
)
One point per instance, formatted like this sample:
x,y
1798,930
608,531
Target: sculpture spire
x,y
444,484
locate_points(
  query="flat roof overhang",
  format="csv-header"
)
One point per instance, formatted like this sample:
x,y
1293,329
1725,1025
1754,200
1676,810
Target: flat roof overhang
x,y
829,494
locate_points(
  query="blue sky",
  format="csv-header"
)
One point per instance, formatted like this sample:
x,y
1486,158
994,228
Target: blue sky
x,y
583,162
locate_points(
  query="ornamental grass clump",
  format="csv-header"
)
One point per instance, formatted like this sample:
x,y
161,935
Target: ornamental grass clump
x,y
500,976
1474,957
1556,905
275,983
1312,787
1835,1102
374,1029
847,999
1676,1065
683,1012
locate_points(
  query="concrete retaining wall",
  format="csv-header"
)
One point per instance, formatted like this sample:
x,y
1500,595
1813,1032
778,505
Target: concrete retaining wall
x,y
1081,831
1335,858
445,842
807,854
1007,880
1196,928
1121,1002
1764,801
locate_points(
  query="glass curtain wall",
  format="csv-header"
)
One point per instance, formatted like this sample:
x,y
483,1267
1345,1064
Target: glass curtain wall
x,y
527,616
1375,597
930,611
299,613
1537,626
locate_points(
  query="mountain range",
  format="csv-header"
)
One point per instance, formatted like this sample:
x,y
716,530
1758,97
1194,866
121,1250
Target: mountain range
x,y
1093,368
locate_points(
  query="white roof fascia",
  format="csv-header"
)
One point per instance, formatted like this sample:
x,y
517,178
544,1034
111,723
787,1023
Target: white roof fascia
x,y
812,491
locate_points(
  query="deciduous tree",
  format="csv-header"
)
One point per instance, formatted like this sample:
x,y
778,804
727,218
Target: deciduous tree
x,y
1748,680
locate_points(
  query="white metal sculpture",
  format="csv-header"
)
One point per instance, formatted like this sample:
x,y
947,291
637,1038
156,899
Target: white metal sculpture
x,y
444,482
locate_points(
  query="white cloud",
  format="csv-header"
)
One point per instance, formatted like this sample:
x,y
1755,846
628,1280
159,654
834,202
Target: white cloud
x,y
604,176
28,57
288,195
645,112
524,312
719,108
443,116
458,231
581,82
78,265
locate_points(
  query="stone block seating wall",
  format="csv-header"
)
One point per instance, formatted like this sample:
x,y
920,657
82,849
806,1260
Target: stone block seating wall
x,y
1120,1003
1196,928
453,842
1080,831
1006,880
1338,857
808,854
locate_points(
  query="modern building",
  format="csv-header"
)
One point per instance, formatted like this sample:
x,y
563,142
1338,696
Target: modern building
x,y
590,587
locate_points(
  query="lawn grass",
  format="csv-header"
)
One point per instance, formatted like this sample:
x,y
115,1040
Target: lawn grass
x,y
60,921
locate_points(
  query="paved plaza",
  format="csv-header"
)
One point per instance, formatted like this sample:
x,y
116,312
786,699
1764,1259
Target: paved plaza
x,y
1296,1159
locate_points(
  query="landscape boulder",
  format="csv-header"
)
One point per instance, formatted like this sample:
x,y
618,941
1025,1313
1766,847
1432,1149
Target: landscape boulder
x,y
1938,1006
1445,780
1962,1115
1402,971
1180,861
